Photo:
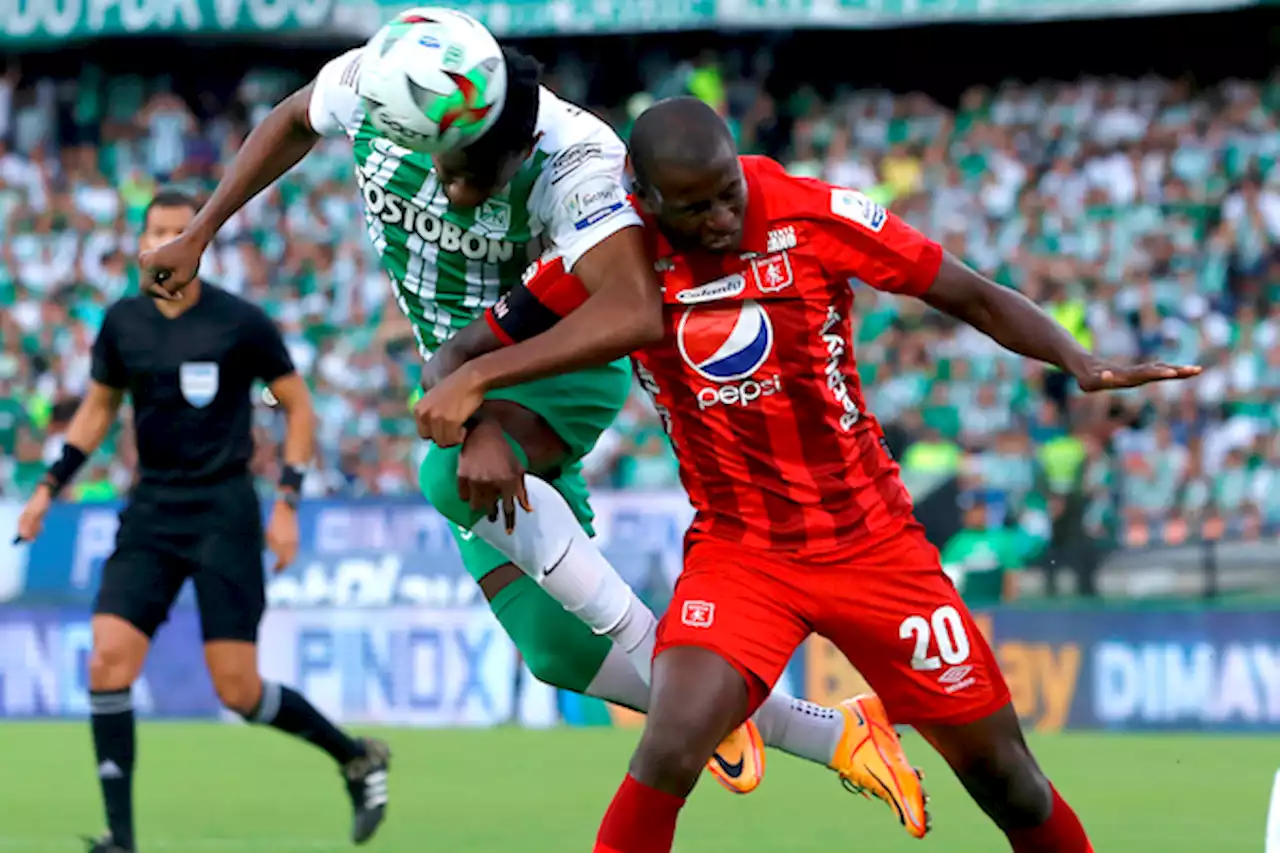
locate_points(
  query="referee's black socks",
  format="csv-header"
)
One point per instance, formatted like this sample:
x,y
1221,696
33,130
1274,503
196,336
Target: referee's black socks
x,y
113,741
289,711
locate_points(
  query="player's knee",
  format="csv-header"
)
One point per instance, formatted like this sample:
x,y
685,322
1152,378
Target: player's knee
x,y
553,666
1010,786
557,648
1030,796
669,756
239,691
111,667
438,478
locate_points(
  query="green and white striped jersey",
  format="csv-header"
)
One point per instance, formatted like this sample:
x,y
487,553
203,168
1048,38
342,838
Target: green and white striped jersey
x,y
449,264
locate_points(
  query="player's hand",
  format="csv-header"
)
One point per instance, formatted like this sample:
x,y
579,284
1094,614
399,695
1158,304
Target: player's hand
x,y
443,411
31,522
489,473
1101,375
282,535
168,269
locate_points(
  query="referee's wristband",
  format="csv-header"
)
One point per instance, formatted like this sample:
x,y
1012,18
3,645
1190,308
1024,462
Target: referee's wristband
x,y
61,472
291,479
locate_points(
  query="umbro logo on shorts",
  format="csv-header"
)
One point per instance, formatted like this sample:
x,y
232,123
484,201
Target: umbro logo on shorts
x,y
957,678
698,614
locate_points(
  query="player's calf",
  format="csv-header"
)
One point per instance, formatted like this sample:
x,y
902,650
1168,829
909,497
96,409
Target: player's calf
x,y
364,762
119,650
697,698
995,765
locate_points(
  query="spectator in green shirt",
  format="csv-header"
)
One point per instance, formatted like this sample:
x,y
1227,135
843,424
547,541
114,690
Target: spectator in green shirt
x,y
13,415
982,561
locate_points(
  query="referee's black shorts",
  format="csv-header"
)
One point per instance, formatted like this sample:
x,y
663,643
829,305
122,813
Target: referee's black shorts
x,y
210,533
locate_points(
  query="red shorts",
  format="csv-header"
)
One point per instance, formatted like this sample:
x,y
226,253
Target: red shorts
x,y
889,609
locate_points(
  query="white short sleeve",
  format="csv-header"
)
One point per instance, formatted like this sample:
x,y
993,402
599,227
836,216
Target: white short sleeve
x,y
584,199
335,107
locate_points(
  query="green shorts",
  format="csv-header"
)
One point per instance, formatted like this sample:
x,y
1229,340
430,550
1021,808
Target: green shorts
x,y
578,407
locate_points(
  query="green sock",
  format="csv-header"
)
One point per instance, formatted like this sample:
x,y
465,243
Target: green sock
x,y
559,649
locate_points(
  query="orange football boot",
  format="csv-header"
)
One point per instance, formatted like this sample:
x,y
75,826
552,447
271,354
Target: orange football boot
x,y
738,763
871,762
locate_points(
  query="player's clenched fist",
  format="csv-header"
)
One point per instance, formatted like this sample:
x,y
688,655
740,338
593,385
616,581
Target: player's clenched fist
x,y
443,412
168,269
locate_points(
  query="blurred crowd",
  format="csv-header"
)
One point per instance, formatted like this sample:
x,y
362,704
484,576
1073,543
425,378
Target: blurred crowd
x,y
1143,213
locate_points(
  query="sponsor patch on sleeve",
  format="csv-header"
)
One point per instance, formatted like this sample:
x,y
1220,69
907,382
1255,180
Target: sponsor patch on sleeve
x,y
858,209
574,158
593,202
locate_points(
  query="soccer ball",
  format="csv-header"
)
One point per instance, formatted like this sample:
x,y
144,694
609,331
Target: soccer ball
x,y
433,80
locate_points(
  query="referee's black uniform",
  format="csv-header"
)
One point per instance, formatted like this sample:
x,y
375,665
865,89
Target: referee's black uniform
x,y
194,512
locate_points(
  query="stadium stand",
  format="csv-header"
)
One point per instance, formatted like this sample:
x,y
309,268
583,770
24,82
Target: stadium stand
x,y
1143,211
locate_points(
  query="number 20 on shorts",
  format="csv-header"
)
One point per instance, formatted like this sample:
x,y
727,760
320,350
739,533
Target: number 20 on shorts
x,y
943,631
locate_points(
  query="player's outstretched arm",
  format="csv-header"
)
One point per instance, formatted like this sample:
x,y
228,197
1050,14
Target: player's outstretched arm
x,y
274,147
1019,325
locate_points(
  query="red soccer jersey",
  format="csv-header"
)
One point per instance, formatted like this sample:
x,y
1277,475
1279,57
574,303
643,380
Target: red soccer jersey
x,y
755,379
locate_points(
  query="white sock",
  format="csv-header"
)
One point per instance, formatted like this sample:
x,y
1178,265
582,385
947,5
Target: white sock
x,y
800,728
619,682
551,547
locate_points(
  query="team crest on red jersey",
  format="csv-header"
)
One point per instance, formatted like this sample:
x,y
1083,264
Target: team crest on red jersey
x,y
773,273
725,342
698,614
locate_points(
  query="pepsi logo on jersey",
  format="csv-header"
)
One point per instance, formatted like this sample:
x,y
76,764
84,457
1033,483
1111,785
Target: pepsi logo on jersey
x,y
727,344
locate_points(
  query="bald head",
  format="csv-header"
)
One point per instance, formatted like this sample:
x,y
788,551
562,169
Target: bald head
x,y
688,175
678,133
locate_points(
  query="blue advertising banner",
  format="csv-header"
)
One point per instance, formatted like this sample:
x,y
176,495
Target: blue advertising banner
x,y
65,563
44,660
352,554
398,665
1120,669
1184,670
379,618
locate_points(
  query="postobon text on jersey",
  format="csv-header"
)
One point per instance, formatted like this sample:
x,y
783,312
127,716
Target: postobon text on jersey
x,y
395,211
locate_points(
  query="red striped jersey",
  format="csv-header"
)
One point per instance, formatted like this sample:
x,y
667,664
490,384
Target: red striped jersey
x,y
755,379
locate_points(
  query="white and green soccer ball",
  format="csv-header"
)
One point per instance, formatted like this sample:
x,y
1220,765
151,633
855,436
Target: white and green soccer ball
x,y
433,80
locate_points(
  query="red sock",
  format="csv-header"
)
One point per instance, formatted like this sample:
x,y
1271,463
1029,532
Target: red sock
x,y
1061,833
639,820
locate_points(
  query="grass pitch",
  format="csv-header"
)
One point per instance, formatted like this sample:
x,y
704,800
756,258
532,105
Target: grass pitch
x,y
209,788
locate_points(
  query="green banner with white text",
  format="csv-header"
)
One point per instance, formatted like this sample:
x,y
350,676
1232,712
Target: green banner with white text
x,y
43,23
562,17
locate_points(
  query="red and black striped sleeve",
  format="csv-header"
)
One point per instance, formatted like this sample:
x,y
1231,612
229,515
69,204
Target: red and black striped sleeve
x,y
534,306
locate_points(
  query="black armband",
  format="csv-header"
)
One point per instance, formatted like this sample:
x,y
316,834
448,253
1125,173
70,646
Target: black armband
x,y
61,472
291,479
521,315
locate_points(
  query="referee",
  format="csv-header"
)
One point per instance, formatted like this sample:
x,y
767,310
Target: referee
x,y
188,365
